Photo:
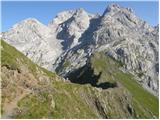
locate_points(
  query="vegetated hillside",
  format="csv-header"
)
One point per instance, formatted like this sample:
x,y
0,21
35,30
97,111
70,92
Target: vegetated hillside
x,y
29,91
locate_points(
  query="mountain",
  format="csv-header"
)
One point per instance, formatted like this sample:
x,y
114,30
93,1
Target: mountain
x,y
115,53
35,40
30,91
125,38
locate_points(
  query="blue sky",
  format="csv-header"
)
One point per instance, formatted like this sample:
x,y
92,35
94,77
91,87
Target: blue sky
x,y
13,12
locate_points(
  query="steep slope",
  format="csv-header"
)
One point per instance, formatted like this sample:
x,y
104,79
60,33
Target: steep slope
x,y
35,40
19,78
126,38
44,93
104,72
29,91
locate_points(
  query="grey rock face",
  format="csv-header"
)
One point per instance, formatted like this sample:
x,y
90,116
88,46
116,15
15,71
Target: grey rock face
x,y
125,38
131,41
35,40
72,36
69,29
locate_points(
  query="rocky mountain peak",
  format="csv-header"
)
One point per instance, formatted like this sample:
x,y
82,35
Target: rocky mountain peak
x,y
111,8
118,17
70,25
67,15
115,8
61,17
30,20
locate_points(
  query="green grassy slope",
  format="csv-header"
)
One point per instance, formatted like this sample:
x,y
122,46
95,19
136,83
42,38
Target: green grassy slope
x,y
140,95
37,104
12,58
62,99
